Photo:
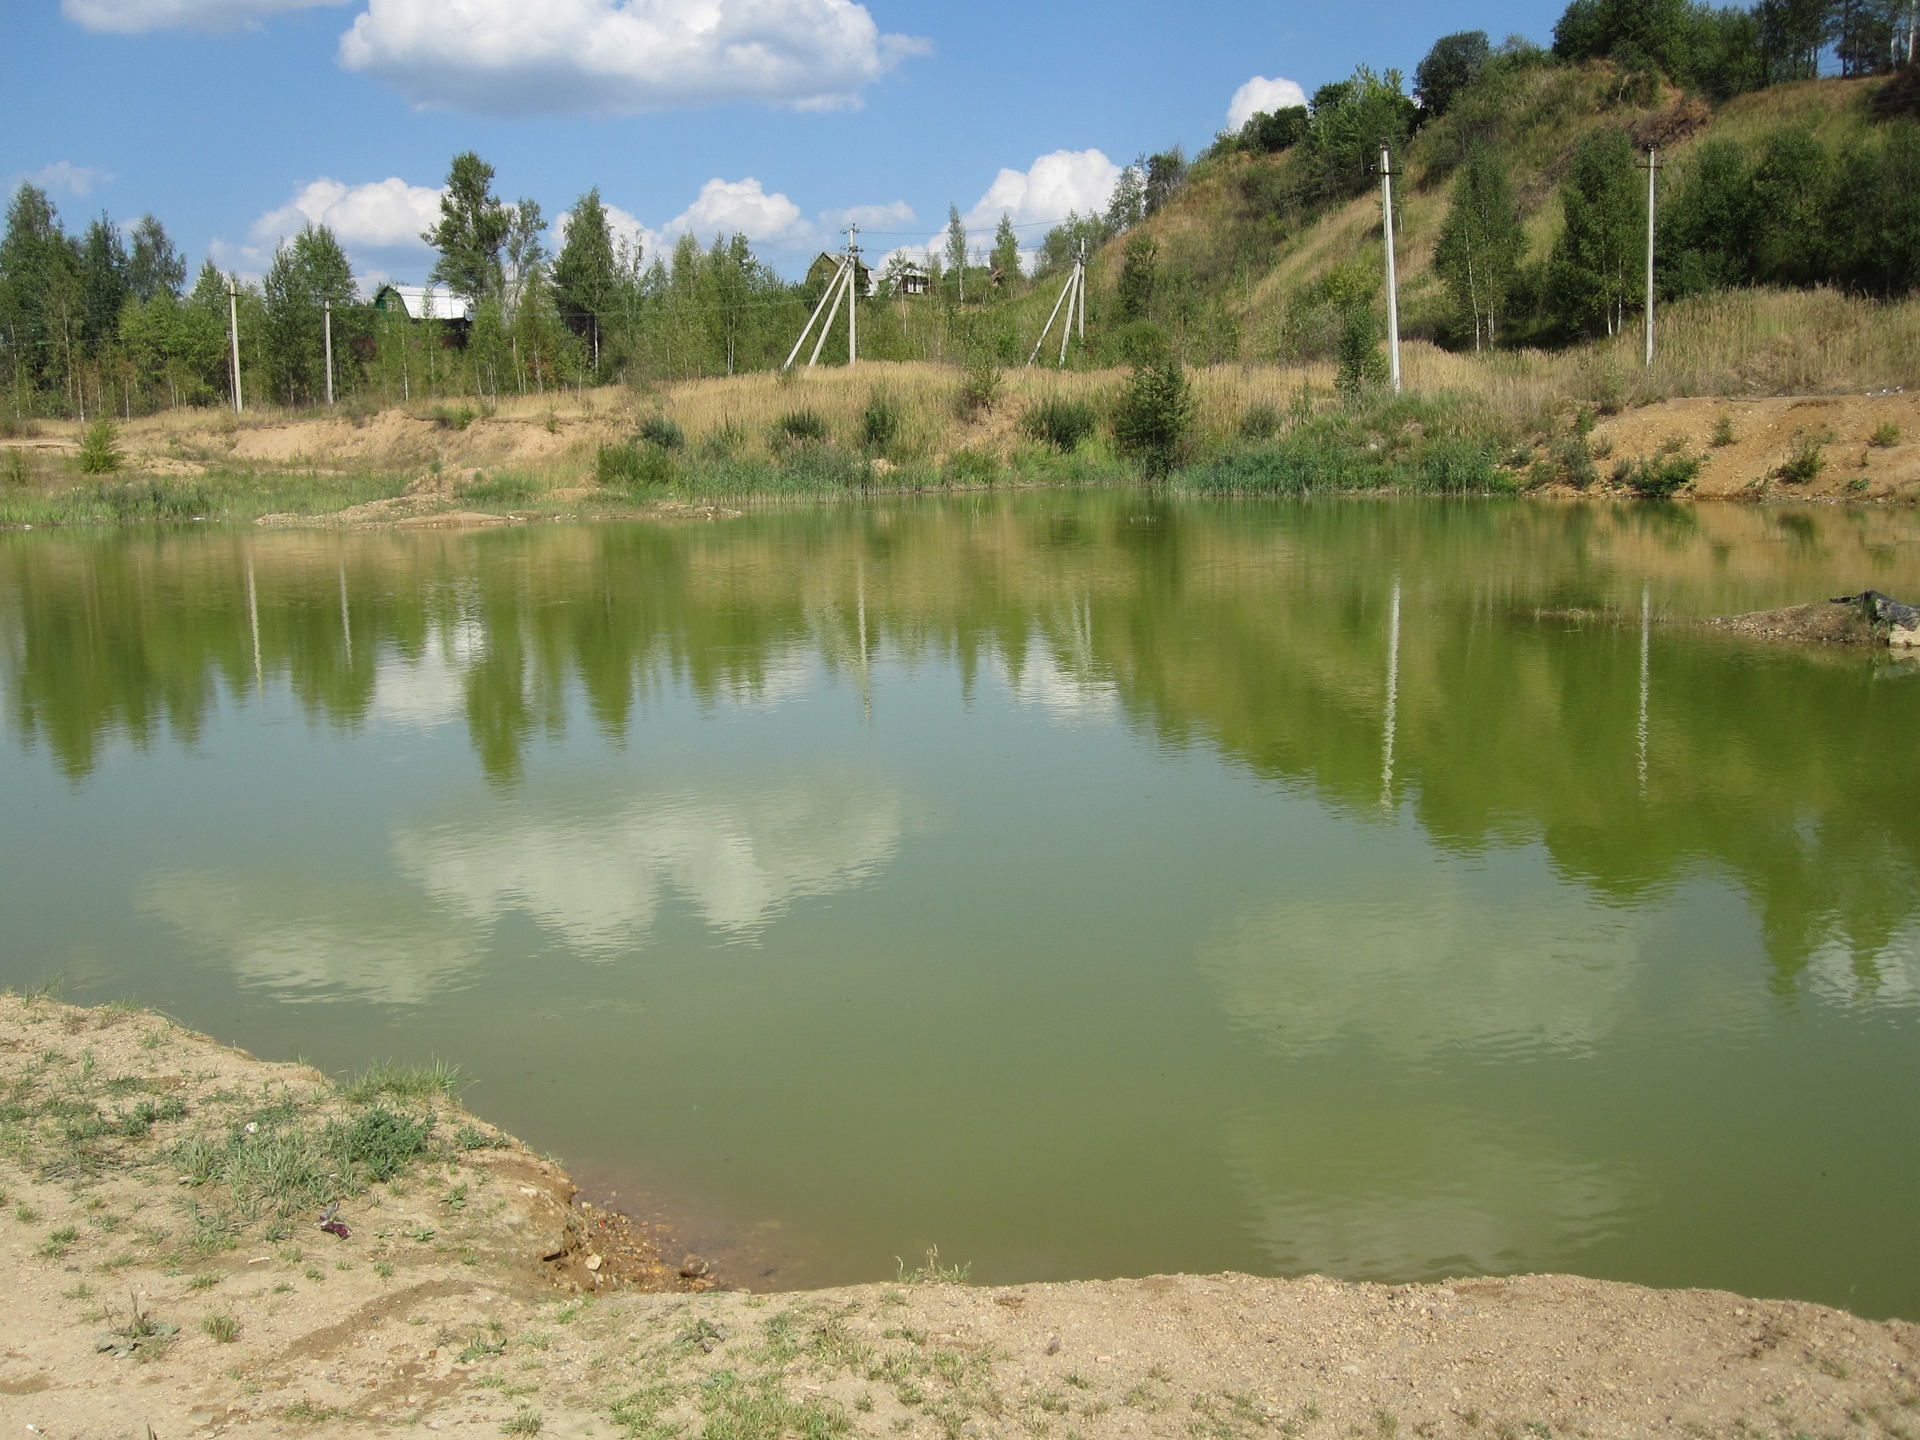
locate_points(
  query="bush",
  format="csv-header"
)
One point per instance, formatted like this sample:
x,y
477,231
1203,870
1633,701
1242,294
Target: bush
x,y
100,448
1063,424
1886,437
1574,458
377,1143
662,433
1261,422
1804,462
1723,435
979,388
724,440
1361,363
880,422
1151,420
14,470
799,427
1661,476
634,467
453,417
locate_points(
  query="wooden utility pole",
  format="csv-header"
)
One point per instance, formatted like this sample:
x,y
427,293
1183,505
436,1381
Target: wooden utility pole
x,y
853,295
327,313
1393,281
1652,167
233,335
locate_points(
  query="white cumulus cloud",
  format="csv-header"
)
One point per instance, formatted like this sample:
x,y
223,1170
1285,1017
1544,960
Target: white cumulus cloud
x,y
382,215
725,207
1261,96
621,56
130,17
64,177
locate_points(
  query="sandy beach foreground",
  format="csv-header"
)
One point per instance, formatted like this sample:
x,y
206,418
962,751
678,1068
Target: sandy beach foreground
x,y
165,1267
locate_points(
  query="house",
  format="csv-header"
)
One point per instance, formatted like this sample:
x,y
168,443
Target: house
x,y
823,268
911,280
424,302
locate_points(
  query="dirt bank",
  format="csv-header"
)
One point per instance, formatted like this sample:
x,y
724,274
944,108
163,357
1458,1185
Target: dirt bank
x,y
153,1281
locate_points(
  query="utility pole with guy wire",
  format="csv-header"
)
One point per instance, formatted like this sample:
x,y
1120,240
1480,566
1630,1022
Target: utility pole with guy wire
x,y
1073,293
1393,282
845,281
233,335
1652,167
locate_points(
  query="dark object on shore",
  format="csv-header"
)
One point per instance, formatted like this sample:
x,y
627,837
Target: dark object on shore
x,y
333,1226
693,1267
1883,609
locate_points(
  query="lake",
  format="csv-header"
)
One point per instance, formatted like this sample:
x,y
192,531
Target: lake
x,y
1085,884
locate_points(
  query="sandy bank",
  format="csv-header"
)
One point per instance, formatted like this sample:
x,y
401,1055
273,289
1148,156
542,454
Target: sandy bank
x,y
153,1280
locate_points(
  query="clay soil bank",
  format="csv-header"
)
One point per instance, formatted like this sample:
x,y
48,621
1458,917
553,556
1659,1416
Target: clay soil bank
x,y
151,1281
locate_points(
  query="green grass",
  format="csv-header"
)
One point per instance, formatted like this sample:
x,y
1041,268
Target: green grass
x,y
388,1080
214,496
221,1328
1440,445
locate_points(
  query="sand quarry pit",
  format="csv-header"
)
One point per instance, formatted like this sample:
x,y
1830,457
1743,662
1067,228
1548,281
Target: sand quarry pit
x,y
154,1280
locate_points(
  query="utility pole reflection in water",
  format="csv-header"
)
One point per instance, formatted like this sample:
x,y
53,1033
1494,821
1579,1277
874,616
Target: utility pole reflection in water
x,y
1393,698
1646,637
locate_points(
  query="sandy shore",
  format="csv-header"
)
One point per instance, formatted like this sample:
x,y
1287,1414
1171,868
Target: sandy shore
x,y
152,1281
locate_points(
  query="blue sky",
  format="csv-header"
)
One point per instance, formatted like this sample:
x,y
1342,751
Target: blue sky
x,y
235,120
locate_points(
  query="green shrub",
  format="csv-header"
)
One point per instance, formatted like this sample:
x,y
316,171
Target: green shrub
x,y
14,470
100,447
1261,421
1886,437
662,433
1361,363
1574,457
1154,412
1063,424
880,422
453,417
1661,476
979,387
1723,432
723,441
1456,467
1804,461
800,427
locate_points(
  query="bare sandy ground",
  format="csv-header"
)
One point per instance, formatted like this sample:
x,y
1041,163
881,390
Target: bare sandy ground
x,y
475,1293
1764,435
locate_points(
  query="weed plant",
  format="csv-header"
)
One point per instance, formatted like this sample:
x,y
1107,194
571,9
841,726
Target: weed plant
x,y
880,422
1659,477
662,433
1805,460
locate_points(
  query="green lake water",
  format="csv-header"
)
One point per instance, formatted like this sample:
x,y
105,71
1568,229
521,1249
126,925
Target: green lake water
x,y
1085,884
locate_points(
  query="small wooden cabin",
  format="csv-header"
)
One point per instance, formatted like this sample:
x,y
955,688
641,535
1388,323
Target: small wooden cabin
x,y
424,302
821,272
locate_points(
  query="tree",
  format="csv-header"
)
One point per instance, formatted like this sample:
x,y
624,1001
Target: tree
x,y
1139,278
1166,173
1590,275
473,227
307,273
1270,132
1481,243
39,293
1792,34
956,247
1454,63
1006,251
524,254
156,266
104,282
1791,187
1706,229
1352,119
1128,205
585,274
1154,412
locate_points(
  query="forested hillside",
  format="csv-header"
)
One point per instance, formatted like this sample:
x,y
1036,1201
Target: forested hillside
x,y
1521,227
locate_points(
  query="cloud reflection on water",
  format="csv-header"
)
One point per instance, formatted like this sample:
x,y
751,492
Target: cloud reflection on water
x,y
597,872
